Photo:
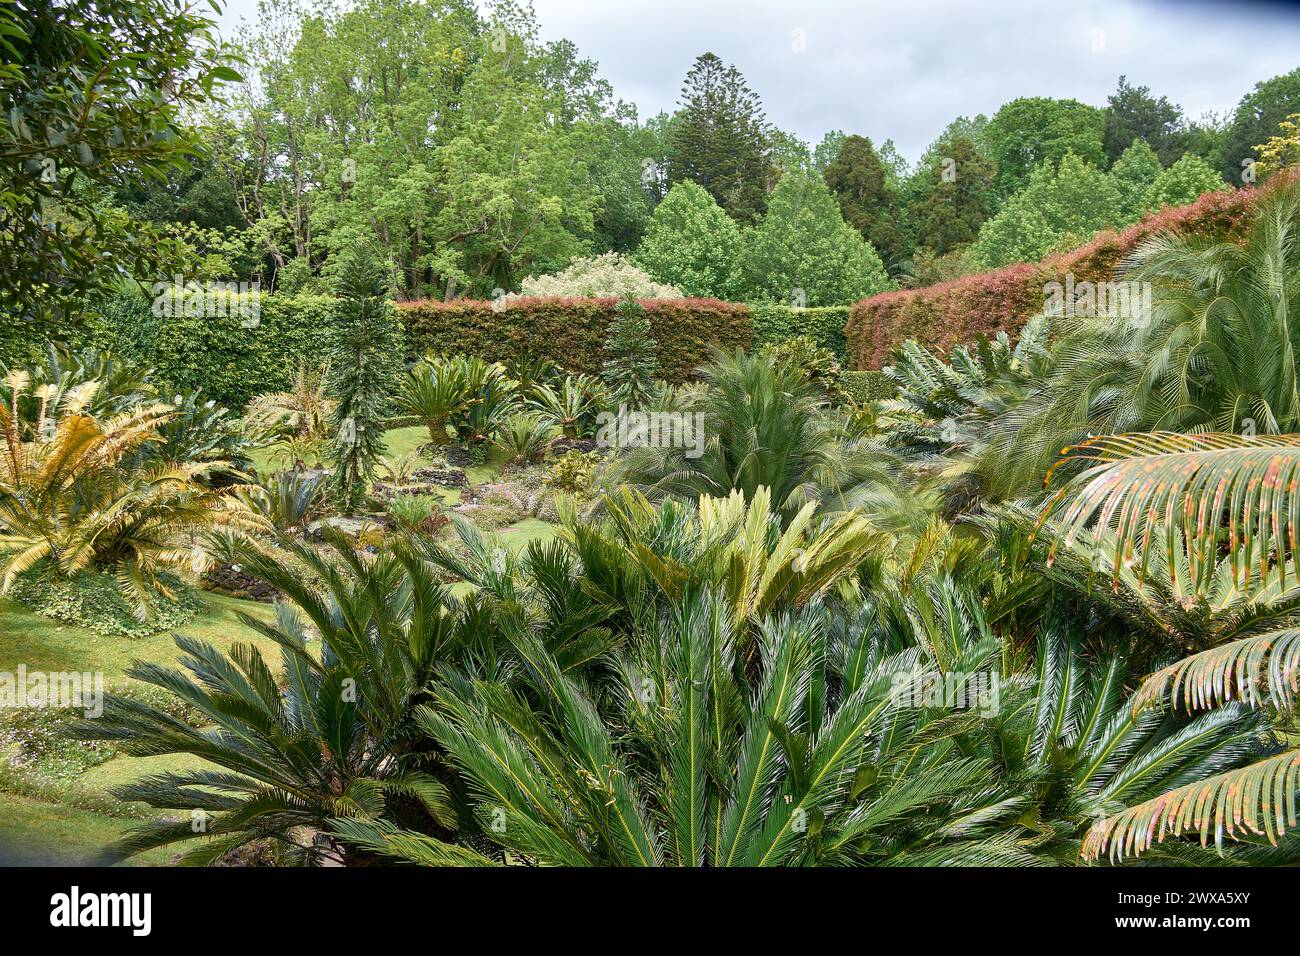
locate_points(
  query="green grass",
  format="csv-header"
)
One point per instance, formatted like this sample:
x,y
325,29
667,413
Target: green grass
x,y
43,644
50,834
53,833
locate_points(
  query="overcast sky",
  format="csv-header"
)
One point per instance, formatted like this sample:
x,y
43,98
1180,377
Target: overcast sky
x,y
902,69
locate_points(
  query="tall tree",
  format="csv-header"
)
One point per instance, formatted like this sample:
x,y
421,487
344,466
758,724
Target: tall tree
x,y
84,110
952,197
1133,113
1257,119
1060,206
804,252
692,244
1182,182
721,139
1033,130
867,200
1133,175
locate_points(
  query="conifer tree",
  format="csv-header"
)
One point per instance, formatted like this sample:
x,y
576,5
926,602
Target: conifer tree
x,y
630,364
360,374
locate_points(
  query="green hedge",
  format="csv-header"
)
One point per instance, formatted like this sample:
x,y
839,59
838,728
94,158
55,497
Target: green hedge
x,y
571,332
213,349
774,324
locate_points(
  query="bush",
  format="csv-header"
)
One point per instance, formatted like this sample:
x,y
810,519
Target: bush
x,y
36,739
607,276
571,332
572,473
867,386
94,600
229,361
956,312
774,324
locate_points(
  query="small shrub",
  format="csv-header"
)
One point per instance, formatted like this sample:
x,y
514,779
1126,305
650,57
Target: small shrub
x,y
605,276
94,600
572,473
36,739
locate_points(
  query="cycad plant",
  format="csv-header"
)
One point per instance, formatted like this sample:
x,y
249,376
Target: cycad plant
x,y
1213,498
77,496
327,734
435,389
764,425
573,405
687,762
524,437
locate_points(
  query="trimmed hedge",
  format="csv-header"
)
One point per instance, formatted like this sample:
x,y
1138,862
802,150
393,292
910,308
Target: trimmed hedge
x,y
571,332
774,324
956,312
216,353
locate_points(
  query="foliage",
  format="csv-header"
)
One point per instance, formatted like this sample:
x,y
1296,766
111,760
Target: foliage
x,y
288,500
572,332
82,110
303,410
359,381
1282,150
867,200
1062,203
325,744
775,323
1133,114
74,498
572,472
1133,174
1257,118
720,139
763,428
94,600
957,311
804,253
951,197
524,437
608,276
435,389
693,244
573,405
1183,182
1030,131
630,364
819,365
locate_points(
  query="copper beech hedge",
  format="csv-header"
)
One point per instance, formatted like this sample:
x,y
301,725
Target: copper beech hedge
x,y
956,312
571,332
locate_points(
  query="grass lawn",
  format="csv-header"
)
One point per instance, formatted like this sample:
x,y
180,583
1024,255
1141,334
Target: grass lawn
x,y
43,644
41,831
33,833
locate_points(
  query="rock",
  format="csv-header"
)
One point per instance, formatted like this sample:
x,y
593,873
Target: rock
x,y
234,580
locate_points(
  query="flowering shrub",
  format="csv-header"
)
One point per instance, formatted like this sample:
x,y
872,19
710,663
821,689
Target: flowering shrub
x,y
955,312
604,276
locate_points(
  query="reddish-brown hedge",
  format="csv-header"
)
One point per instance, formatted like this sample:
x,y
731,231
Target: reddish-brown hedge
x,y
956,312
571,332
